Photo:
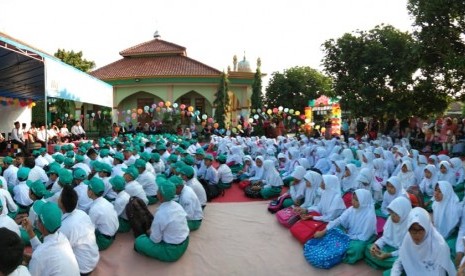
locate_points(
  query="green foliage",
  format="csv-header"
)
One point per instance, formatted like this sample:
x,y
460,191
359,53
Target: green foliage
x,y
296,86
38,113
103,122
75,59
373,74
257,95
221,101
439,28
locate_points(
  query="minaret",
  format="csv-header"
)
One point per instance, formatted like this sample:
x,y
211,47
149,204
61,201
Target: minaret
x,y
235,63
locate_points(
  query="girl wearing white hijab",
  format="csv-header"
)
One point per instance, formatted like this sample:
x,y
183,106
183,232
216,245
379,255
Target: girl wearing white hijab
x,y
429,180
349,180
359,220
446,212
322,163
421,165
459,172
297,187
364,179
367,160
272,181
256,173
423,250
393,190
234,160
293,157
379,179
331,204
384,252
312,182
407,175
446,173
339,170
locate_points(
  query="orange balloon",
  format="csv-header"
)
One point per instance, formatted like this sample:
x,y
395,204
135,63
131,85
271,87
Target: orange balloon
x,y
215,125
190,109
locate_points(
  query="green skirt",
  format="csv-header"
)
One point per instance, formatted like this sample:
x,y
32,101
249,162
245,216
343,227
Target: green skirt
x,y
356,250
194,224
377,263
124,225
459,189
162,251
236,168
287,181
451,241
267,193
224,185
288,202
103,241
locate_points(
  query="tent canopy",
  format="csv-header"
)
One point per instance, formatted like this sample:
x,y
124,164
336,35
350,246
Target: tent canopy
x,y
28,73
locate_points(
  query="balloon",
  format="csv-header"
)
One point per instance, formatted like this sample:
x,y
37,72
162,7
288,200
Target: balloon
x,y
161,104
291,111
307,121
129,111
158,109
134,115
139,111
182,106
190,109
175,105
280,108
204,116
151,109
234,130
253,110
275,110
255,116
99,112
168,104
33,104
239,127
246,123
302,117
93,114
216,125
71,116
323,129
128,119
269,111
210,120
66,115
154,105
146,108
87,116
299,122
197,113
294,120
317,126
297,113
250,120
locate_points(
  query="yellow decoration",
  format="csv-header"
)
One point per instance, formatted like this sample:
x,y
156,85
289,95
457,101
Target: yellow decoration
x,y
168,104
297,113
269,111
190,109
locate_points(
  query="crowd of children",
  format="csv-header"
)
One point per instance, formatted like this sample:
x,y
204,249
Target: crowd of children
x,y
72,203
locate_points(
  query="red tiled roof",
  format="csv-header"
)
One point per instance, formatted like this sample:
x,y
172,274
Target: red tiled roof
x,y
154,66
153,47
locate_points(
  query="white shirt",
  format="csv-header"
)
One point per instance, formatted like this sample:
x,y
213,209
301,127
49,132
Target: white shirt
x,y
20,271
199,190
118,170
149,168
16,134
41,135
80,231
53,257
104,217
76,130
159,166
121,200
224,174
108,160
191,204
37,173
133,188
131,160
21,192
84,201
83,166
11,175
41,161
64,131
211,176
7,202
148,182
169,224
108,193
10,224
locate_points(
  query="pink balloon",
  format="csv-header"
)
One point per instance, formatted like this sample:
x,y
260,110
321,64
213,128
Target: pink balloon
x,y
275,110
210,120
182,106
161,104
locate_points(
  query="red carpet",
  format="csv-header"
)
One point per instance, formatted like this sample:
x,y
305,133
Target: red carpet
x,y
235,194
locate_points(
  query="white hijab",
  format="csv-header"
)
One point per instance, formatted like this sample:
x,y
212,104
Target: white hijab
x,y
297,189
427,185
365,177
331,200
446,213
258,170
350,182
429,258
270,174
363,225
387,197
458,169
341,165
311,193
407,179
347,155
449,175
394,233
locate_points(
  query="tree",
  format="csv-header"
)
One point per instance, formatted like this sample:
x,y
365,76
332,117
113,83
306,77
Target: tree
x,y
372,73
75,59
295,87
439,29
221,101
257,95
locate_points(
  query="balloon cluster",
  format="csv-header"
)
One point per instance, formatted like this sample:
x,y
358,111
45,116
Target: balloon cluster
x,y
4,101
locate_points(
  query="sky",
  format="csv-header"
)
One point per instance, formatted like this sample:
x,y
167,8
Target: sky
x,y
282,33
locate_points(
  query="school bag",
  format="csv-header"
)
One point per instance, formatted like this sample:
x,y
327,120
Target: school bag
x,y
303,230
252,192
277,204
347,198
328,251
139,216
243,184
287,217
416,196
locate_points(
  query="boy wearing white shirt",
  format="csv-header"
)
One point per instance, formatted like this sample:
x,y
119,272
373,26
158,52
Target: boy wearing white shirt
x,y
121,200
133,188
80,231
10,173
84,202
5,197
187,174
21,191
225,176
189,202
102,214
169,233
54,256
118,165
7,222
157,163
104,172
147,180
